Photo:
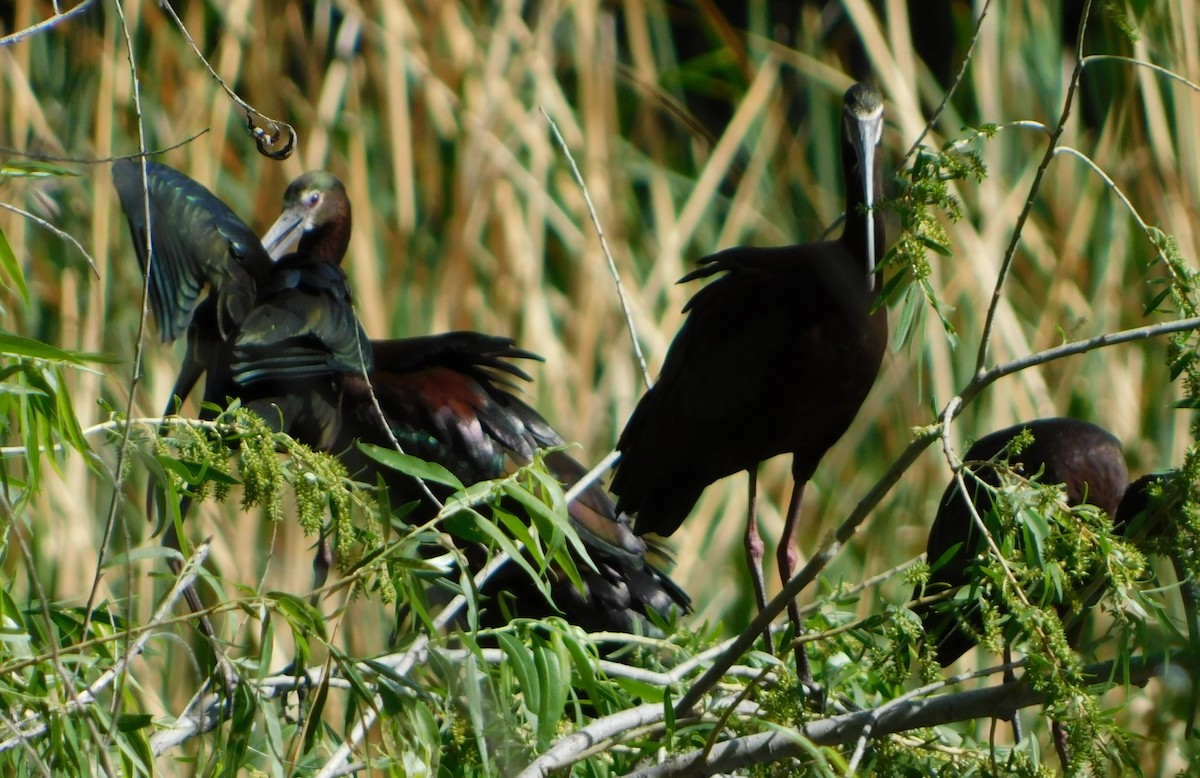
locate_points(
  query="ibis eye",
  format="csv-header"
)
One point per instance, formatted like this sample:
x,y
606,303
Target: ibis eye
x,y
311,199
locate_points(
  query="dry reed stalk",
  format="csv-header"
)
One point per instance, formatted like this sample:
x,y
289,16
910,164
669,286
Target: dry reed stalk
x,y
496,236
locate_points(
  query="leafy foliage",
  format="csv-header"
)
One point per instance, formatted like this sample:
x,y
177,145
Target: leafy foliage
x,y
466,216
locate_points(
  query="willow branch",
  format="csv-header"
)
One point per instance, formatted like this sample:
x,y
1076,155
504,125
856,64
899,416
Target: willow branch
x,y
45,24
833,543
962,71
612,265
123,448
35,726
1011,251
68,237
992,701
1159,69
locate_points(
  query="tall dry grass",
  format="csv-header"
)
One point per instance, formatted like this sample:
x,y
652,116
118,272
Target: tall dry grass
x,y
466,216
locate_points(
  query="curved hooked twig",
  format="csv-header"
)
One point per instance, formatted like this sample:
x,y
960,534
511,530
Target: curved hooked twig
x,y
268,138
267,133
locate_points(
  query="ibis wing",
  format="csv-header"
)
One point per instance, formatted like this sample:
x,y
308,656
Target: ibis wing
x,y
480,355
303,325
197,241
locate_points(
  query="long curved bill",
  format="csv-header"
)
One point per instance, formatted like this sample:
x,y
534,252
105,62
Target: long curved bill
x,y
284,234
864,109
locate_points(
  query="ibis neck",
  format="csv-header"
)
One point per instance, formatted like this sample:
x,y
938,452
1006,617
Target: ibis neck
x,y
328,242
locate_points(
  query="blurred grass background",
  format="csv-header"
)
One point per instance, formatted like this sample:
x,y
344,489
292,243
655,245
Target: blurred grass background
x,y
691,137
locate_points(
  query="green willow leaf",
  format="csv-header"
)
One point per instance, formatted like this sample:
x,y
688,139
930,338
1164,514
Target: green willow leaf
x,y
34,168
12,268
15,345
410,465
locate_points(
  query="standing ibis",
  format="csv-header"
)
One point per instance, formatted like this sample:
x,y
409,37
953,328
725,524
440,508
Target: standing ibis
x,y
776,356
1084,458
445,399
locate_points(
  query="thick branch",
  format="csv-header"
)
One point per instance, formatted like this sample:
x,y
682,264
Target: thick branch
x,y
993,701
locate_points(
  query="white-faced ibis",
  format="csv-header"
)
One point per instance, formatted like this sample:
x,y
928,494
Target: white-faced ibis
x,y
1084,458
267,332
776,356
446,399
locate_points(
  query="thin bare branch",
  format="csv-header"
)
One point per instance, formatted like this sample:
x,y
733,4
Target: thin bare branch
x,y
269,134
68,237
891,718
592,476
1019,227
962,71
119,469
612,265
1159,69
101,160
59,17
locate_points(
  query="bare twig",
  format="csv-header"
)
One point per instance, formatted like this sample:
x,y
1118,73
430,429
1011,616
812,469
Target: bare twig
x,y
867,583
47,23
40,157
60,233
1019,227
569,749
1150,231
119,469
962,71
1159,69
612,265
268,138
591,477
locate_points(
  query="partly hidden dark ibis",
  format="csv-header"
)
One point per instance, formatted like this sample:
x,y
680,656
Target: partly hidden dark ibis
x,y
447,399
1085,459
282,338
1150,516
1088,463
276,335
267,332
776,356
1148,506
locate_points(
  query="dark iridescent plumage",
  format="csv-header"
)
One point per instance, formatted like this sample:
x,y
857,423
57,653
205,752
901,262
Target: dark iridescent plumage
x,y
776,356
446,399
1084,458
282,337
267,332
